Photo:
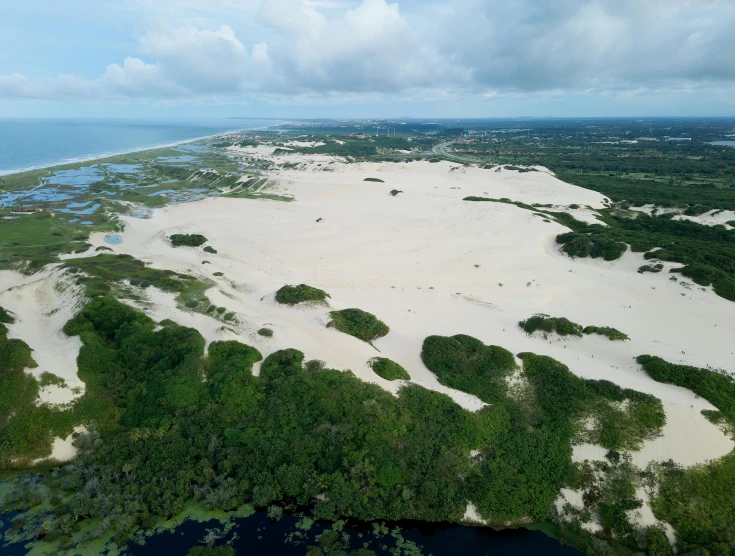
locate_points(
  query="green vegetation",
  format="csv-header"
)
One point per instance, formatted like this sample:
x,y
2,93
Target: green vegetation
x,y
210,249
655,268
565,327
395,192
99,274
731,223
612,334
717,388
267,332
291,295
707,520
547,324
387,369
187,240
464,363
6,317
708,252
374,179
360,324
50,379
26,429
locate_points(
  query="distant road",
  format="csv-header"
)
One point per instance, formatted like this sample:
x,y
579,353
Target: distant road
x,y
441,150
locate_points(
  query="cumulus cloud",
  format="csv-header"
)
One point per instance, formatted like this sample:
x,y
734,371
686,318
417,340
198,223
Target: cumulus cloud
x,y
485,48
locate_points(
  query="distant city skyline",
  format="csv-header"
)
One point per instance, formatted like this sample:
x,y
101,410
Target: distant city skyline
x,y
367,58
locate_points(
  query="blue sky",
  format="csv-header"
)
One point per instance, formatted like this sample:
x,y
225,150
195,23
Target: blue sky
x,y
367,58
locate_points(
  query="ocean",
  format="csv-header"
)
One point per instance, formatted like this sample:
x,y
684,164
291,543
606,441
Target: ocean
x,y
26,144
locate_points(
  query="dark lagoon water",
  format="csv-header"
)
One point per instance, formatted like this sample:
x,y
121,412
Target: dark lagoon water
x,y
257,534
37,143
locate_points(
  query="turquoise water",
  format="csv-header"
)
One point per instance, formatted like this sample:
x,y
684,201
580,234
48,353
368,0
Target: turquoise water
x,y
37,143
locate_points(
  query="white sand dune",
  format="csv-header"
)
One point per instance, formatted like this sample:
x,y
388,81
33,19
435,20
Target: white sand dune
x,y
43,303
426,263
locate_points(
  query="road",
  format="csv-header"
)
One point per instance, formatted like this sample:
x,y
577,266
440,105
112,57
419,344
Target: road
x,y
441,150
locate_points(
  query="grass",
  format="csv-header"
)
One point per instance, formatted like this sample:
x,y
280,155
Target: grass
x,y
34,240
266,332
374,179
387,369
360,324
187,240
291,295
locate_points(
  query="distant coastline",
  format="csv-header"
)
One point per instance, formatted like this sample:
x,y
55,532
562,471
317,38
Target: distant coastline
x,y
138,148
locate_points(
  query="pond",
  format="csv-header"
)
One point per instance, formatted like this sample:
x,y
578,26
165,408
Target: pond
x,y
113,239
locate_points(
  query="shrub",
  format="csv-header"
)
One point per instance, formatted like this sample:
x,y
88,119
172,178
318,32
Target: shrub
x,y
315,365
267,332
374,179
291,295
545,323
387,369
582,245
611,333
360,324
6,317
187,240
395,192
210,249
221,310
650,268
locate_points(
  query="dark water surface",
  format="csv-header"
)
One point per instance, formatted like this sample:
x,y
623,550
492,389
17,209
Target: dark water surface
x,y
259,535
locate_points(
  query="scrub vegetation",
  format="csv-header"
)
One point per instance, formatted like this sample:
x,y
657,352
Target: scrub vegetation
x,y
387,369
565,327
187,240
292,295
360,324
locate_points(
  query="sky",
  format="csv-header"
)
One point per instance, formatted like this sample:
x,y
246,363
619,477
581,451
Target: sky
x,y
367,58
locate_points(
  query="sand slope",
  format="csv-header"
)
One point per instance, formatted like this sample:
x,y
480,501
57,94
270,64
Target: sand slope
x,y
427,262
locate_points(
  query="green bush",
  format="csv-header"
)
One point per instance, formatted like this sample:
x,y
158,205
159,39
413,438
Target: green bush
x,y
395,192
187,240
717,388
545,323
465,363
210,249
6,317
374,179
611,333
387,369
360,324
583,245
267,332
291,295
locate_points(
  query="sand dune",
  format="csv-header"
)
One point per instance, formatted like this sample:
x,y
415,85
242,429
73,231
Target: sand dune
x,y
427,262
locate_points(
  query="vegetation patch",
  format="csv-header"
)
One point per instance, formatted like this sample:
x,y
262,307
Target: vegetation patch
x,y
6,317
374,179
387,369
658,267
565,327
187,240
395,192
210,249
291,295
547,324
360,324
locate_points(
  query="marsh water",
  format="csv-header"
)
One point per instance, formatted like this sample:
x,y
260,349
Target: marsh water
x,y
289,536
37,143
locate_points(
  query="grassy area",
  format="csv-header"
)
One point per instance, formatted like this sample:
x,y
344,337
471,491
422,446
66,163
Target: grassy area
x,y
387,369
291,295
360,324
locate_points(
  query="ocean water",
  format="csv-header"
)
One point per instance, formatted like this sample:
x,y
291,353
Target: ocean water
x,y
37,143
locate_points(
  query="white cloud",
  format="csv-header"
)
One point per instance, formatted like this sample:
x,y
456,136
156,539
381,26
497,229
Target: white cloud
x,y
333,49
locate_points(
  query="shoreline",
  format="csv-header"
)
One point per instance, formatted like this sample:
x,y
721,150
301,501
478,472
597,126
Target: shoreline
x,y
80,160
